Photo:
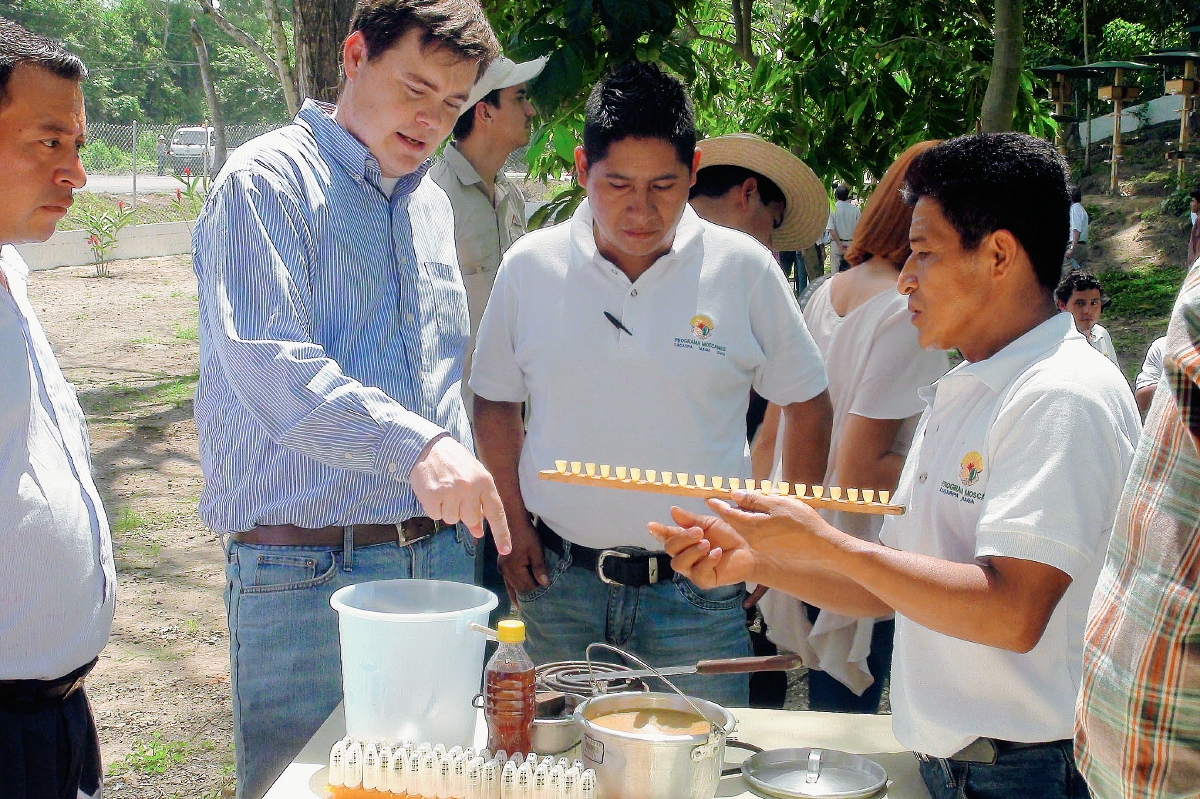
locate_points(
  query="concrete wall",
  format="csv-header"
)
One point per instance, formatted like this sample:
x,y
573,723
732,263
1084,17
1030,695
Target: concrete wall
x,y
1162,109
70,247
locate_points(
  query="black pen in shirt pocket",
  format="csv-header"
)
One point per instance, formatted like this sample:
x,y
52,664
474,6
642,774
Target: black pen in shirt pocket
x,y
617,323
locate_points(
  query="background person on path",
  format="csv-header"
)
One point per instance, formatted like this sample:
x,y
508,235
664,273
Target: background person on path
x,y
1011,487
636,331
843,219
876,368
333,320
57,579
160,149
1077,254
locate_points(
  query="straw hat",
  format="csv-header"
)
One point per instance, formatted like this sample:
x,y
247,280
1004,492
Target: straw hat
x,y
807,208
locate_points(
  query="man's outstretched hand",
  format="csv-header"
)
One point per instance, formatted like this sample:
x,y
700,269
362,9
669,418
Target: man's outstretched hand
x,y
705,549
453,486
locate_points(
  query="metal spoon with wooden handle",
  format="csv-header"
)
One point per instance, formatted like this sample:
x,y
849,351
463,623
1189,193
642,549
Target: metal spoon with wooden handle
x,y
717,666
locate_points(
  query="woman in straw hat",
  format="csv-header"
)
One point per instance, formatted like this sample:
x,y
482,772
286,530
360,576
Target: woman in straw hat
x,y
861,324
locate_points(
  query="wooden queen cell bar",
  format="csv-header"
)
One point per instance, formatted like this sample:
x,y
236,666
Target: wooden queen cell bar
x,y
699,486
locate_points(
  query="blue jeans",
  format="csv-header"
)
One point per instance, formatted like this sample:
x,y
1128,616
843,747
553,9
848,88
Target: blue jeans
x,y
672,623
1047,772
284,652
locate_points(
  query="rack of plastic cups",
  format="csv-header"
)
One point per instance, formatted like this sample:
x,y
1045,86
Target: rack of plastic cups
x,y
375,770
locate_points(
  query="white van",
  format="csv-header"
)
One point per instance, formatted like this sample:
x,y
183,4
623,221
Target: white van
x,y
193,149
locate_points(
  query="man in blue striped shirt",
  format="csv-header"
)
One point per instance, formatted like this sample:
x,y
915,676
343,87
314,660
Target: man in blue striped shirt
x,y
333,321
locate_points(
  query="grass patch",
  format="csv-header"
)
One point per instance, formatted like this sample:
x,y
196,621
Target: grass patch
x,y
128,521
1142,291
187,332
146,339
171,393
154,756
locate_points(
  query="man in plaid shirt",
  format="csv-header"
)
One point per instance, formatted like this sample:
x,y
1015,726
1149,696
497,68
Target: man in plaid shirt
x,y
1138,721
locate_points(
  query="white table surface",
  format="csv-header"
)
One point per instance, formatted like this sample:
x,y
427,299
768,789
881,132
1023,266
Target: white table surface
x,y
770,729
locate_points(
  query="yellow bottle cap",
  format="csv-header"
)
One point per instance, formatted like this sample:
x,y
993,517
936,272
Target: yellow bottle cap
x,y
511,631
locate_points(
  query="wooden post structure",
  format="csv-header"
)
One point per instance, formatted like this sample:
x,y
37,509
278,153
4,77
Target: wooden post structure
x,y
1118,94
1059,91
1188,87
1114,187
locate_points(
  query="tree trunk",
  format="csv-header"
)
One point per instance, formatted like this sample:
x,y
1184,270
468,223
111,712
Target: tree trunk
x,y
247,41
320,28
214,104
1000,100
283,60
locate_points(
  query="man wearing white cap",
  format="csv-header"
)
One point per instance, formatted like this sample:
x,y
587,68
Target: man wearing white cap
x,y
489,211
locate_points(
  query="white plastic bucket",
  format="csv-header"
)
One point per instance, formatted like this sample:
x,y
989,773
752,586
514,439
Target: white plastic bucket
x,y
410,665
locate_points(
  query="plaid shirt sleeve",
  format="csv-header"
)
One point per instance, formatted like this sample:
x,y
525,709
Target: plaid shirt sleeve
x,y
1138,724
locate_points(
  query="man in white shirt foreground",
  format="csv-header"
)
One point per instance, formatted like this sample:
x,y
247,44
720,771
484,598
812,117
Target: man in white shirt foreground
x,y
57,581
636,330
1081,295
1011,487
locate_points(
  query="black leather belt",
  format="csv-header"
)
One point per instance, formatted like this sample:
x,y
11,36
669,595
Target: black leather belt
x,y
18,696
986,750
628,566
365,535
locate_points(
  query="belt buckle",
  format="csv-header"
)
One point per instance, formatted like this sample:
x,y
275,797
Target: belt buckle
x,y
400,535
608,553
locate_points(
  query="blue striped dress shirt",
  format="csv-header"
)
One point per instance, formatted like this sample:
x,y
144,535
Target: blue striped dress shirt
x,y
333,322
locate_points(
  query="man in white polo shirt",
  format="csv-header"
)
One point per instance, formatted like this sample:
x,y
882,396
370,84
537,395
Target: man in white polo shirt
x,y
1010,489
636,330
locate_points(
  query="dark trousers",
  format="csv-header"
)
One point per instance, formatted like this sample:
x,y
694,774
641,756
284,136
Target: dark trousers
x,y
826,693
49,750
1045,772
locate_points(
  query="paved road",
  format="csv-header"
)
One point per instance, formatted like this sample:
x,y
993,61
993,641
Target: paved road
x,y
123,184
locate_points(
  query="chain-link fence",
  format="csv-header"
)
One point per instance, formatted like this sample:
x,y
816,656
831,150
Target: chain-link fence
x,y
161,179
161,149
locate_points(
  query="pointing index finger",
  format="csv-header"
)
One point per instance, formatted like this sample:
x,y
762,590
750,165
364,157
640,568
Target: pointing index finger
x,y
493,511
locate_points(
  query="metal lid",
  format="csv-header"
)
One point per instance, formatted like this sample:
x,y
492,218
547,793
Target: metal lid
x,y
810,773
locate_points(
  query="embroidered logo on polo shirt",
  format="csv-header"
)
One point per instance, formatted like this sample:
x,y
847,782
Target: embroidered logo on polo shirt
x,y
701,327
971,468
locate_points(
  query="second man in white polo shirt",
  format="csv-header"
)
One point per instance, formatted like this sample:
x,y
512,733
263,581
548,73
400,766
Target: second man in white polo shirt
x,y
636,330
1010,489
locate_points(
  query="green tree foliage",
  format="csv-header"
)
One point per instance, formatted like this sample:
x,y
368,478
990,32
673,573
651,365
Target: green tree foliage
x,y
845,84
142,62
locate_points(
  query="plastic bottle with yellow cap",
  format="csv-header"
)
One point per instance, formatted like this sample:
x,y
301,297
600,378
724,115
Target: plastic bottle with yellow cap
x,y
509,703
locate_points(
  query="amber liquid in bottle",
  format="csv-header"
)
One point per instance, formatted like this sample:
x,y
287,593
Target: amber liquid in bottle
x,y
509,703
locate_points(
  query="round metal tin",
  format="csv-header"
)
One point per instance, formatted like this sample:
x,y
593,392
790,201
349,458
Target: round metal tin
x,y
811,773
